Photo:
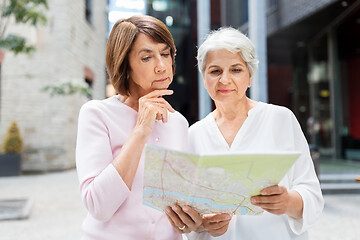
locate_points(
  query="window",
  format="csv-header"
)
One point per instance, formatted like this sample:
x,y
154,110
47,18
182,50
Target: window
x,y
88,11
271,5
89,80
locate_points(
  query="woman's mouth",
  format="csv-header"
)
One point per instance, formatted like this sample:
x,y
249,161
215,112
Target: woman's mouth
x,y
225,91
162,80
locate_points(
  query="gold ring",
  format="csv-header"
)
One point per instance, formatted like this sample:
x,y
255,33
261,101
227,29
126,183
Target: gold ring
x,y
182,228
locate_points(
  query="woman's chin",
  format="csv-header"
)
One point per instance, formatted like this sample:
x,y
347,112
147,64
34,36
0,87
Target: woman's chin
x,y
161,86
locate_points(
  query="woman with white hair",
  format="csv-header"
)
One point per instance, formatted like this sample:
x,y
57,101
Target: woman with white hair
x,y
227,63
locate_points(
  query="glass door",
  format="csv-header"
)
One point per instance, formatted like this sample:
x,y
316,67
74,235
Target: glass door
x,y
320,122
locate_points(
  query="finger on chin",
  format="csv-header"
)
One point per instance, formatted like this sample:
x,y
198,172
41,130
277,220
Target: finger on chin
x,y
159,93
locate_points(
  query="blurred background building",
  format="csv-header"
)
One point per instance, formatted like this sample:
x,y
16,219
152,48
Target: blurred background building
x,y
313,62
312,58
70,49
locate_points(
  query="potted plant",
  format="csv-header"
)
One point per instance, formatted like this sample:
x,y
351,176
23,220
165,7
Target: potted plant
x,y
12,146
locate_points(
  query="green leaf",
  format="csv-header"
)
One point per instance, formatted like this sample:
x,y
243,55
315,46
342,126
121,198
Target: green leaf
x,y
25,11
16,44
68,88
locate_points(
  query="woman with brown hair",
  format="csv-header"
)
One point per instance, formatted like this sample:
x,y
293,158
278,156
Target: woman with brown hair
x,y
112,133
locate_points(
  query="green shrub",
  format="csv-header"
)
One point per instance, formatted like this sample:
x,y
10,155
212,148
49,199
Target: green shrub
x,y
12,142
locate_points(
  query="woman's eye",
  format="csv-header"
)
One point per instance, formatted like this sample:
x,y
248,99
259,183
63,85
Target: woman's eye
x,y
214,71
236,70
165,54
145,59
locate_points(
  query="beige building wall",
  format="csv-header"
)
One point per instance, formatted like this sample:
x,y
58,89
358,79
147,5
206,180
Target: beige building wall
x,y
65,47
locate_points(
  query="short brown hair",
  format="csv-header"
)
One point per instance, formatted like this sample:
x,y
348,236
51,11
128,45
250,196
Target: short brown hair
x,y
121,40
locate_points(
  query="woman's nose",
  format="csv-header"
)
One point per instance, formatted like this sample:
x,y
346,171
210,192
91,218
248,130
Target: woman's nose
x,y
160,66
224,78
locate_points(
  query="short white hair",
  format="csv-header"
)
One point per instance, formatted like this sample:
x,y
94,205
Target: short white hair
x,y
232,40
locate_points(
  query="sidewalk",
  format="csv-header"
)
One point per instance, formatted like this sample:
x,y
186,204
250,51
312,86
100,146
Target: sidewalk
x,y
339,177
57,212
340,218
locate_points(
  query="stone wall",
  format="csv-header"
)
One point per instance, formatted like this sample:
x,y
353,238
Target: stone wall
x,y
65,46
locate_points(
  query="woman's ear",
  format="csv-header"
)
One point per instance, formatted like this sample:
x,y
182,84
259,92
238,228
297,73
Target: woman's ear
x,y
250,81
204,82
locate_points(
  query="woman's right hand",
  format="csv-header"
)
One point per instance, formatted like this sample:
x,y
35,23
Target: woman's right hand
x,y
153,107
216,224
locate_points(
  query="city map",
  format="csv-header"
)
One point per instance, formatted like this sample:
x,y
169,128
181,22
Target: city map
x,y
211,183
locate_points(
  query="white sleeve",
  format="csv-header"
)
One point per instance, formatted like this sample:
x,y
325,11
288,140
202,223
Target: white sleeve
x,y
199,236
303,179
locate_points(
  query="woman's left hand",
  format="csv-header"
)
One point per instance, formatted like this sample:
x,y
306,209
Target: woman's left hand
x,y
184,219
278,200
273,199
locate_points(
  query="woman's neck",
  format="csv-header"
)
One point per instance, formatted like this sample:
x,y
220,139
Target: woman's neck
x,y
130,101
230,117
233,111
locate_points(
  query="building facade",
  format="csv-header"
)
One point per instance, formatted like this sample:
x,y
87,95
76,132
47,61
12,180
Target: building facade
x,y
69,49
313,57
313,53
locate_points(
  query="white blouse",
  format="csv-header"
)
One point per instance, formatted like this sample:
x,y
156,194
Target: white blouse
x,y
267,127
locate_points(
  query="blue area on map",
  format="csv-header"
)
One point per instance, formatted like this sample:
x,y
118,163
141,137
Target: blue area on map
x,y
211,204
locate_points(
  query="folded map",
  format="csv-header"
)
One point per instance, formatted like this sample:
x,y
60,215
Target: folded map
x,y
221,183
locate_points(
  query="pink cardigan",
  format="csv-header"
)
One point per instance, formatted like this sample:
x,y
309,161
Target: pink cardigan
x,y
115,212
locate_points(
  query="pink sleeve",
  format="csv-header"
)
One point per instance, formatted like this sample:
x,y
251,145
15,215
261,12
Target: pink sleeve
x,y
102,188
